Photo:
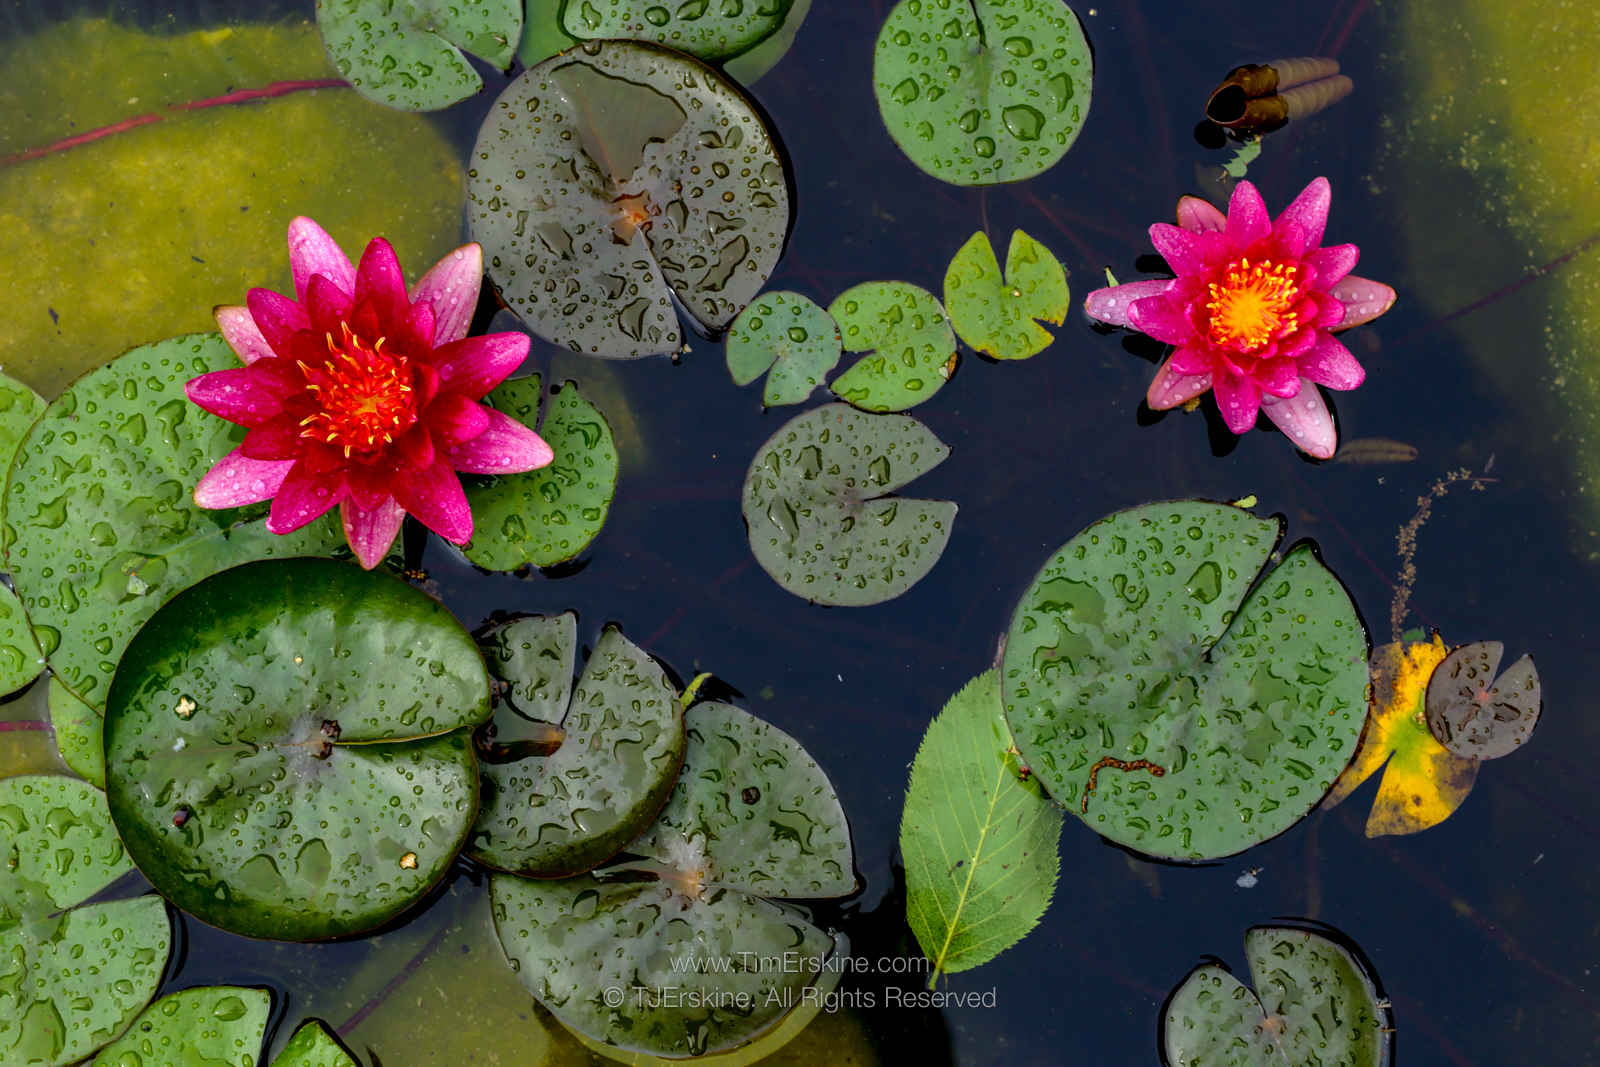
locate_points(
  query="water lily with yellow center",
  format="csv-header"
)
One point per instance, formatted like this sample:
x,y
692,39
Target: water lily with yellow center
x,y
360,395
1252,312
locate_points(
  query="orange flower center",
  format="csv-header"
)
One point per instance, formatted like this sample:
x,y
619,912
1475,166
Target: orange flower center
x,y
364,394
1253,304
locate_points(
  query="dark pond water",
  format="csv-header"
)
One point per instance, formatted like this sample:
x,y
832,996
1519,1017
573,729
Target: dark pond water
x,y
1482,930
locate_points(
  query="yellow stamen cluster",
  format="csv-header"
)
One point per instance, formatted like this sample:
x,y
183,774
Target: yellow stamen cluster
x,y
364,394
1253,304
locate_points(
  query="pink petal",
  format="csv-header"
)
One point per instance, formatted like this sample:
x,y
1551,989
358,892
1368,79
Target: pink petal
x,y
237,395
434,497
506,447
1110,305
454,419
1330,363
1185,252
1248,221
1199,216
276,316
415,448
451,288
1333,263
1305,420
1279,378
303,497
380,281
1238,398
235,480
327,306
371,531
1310,210
242,333
419,331
1171,388
276,440
1191,360
474,365
1363,300
312,252
1158,317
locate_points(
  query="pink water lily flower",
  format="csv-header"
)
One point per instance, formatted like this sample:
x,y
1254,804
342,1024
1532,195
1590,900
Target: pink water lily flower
x,y
360,395
1252,312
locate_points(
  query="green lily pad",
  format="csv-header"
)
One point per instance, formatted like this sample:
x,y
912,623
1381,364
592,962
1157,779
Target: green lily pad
x,y
997,315
711,30
313,1046
20,657
408,55
71,977
1174,714
1314,1002
789,336
20,408
906,330
80,734
217,1026
551,812
978,92
1475,714
610,180
547,516
102,527
752,817
816,511
287,747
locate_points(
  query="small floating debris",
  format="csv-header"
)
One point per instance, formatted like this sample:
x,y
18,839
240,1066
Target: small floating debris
x,y
1262,97
1248,879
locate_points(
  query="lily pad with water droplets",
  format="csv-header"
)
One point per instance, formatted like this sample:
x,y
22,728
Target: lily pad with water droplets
x,y
1171,711
788,338
999,315
217,1026
1315,1001
72,976
752,817
20,408
288,751
102,525
712,30
408,54
568,783
20,657
1477,715
817,511
613,178
547,516
80,734
912,347
313,1046
977,92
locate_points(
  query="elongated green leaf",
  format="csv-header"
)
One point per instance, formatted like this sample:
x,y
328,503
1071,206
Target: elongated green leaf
x,y
213,1026
978,838
911,347
996,314
408,53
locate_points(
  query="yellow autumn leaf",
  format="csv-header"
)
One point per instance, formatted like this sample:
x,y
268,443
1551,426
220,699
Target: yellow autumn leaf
x,y
1424,782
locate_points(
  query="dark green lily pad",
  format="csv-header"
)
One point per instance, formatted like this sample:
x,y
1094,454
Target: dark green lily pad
x,y
1475,714
408,55
999,315
214,1026
288,751
610,179
913,348
548,813
711,30
101,524
752,817
1314,1002
80,734
1171,717
313,1046
788,338
71,977
977,92
548,516
818,519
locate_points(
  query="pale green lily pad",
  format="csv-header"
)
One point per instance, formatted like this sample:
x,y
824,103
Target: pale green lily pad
x,y
20,408
20,657
1170,711
977,92
102,524
213,1026
998,315
610,180
287,749
816,510
407,54
1314,1002
71,977
548,516
913,348
790,339
619,744
752,817
80,734
313,1046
